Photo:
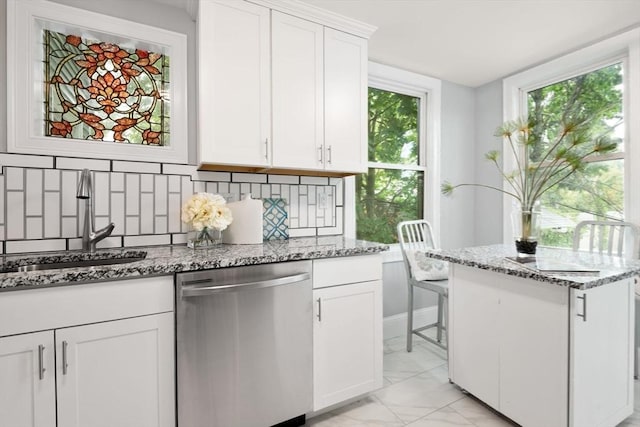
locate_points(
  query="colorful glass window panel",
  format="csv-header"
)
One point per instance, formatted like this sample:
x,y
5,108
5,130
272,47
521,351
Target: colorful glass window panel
x,y
103,92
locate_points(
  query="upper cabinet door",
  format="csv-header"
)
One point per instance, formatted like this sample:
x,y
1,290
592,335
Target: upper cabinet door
x,y
345,91
234,83
297,92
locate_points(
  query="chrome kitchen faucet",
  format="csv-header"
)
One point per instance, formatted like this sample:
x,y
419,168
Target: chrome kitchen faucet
x,y
89,236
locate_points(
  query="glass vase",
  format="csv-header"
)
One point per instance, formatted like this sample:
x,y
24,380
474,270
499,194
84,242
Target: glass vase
x,y
526,227
205,238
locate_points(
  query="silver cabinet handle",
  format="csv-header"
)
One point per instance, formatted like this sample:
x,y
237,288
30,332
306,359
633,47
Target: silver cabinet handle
x,y
329,155
320,154
266,148
319,315
583,297
194,291
41,368
65,364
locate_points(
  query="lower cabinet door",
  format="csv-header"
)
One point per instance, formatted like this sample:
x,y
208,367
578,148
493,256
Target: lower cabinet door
x,y
347,342
601,354
27,380
117,374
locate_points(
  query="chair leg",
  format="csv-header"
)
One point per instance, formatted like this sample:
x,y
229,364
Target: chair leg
x,y
439,325
410,319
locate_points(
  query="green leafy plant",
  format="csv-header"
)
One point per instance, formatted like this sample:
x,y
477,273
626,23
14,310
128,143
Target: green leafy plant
x,y
560,157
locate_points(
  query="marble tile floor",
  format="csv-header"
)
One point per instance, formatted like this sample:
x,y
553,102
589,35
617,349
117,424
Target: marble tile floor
x,y
417,393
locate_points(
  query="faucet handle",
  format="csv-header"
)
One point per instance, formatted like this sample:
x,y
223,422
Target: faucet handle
x,y
84,186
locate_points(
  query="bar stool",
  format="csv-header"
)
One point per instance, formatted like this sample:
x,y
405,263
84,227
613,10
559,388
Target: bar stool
x,y
415,237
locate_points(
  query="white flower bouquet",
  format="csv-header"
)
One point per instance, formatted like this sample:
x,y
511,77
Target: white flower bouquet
x,y
204,213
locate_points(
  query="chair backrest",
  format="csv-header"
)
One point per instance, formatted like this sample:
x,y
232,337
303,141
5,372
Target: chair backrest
x,y
616,238
414,236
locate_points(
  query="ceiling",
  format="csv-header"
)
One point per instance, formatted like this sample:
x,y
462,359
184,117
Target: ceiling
x,y
473,42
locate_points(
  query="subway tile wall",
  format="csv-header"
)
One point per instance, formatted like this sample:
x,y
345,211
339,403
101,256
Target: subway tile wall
x,y
39,209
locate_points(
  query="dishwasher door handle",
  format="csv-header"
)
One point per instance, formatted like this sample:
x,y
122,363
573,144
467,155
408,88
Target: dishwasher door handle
x,y
196,291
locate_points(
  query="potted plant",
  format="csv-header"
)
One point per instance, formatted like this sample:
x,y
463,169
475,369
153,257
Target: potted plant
x,y
560,157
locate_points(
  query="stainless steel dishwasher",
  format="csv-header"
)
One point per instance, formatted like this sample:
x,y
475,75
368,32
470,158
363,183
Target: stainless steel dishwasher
x,y
244,345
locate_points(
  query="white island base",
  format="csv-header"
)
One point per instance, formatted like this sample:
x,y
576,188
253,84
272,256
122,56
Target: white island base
x,y
540,353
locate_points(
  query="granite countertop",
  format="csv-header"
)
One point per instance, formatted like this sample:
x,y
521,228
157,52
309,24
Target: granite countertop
x,y
494,258
165,260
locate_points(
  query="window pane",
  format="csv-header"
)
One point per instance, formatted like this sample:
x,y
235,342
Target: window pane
x,y
384,197
597,194
596,94
393,127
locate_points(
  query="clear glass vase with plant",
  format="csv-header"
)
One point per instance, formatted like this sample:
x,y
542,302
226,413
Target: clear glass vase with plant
x,y
561,156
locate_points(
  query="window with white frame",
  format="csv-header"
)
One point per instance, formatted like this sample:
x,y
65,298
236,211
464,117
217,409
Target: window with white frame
x,y
593,82
402,182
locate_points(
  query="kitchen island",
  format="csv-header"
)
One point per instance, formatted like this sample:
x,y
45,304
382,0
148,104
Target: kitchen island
x,y
544,349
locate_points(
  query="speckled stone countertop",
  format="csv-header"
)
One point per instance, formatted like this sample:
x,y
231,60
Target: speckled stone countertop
x,y
494,258
165,260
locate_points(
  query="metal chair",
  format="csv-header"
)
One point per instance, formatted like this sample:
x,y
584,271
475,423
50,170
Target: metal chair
x,y
616,238
417,236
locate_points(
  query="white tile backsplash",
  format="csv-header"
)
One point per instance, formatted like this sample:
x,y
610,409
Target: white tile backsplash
x,y
79,164
39,204
52,214
132,190
146,183
146,212
20,246
15,215
160,194
148,240
15,178
52,179
248,177
33,192
117,213
69,201
138,167
117,181
34,228
26,161
101,193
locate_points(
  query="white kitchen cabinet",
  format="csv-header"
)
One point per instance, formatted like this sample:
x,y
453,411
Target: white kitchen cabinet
x,y
298,100
27,380
117,373
97,369
234,83
515,341
606,334
345,101
347,335
279,92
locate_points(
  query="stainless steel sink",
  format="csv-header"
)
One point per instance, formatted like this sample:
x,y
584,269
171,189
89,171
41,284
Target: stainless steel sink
x,y
78,263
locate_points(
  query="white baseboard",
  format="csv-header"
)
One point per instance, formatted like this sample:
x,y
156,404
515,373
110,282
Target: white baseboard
x,y
396,325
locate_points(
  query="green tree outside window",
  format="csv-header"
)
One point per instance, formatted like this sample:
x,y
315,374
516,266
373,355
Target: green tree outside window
x,y
393,190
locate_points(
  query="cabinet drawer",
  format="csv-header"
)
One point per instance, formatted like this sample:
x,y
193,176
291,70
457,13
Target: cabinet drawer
x,y
58,307
352,269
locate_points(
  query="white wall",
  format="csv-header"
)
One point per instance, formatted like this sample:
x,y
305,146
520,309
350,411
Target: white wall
x,y
3,72
488,203
458,163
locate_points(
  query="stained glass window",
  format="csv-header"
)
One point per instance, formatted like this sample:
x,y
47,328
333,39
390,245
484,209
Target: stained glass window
x,y
104,92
